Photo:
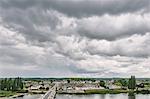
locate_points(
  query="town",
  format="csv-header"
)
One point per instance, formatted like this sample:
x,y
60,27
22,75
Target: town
x,y
73,86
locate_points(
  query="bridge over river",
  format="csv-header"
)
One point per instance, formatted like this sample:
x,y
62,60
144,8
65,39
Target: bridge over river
x,y
51,93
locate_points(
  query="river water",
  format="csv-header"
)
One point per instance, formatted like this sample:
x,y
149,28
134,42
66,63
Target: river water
x,y
29,96
94,96
106,96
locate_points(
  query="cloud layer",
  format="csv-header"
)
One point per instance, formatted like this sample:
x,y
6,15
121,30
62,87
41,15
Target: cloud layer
x,y
76,38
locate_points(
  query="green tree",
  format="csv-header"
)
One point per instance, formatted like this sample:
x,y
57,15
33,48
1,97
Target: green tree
x,y
5,83
102,83
2,84
20,83
9,84
14,85
68,81
132,83
17,82
123,82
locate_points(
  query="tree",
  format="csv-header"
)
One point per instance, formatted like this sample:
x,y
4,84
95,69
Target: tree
x,y
51,81
14,85
123,82
102,83
5,83
2,84
68,81
20,83
132,83
9,84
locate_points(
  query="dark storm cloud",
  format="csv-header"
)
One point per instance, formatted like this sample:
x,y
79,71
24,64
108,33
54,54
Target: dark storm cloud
x,y
34,23
109,35
81,8
92,37
38,19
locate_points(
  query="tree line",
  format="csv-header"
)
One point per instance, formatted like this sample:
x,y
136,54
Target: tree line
x,y
11,84
131,83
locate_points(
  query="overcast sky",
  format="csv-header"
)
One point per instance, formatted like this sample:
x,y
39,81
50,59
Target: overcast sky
x,y
74,38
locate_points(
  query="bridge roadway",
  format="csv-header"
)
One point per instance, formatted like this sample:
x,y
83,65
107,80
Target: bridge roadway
x,y
51,93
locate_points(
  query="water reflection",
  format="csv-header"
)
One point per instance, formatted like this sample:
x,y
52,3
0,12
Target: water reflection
x,y
131,96
28,96
104,96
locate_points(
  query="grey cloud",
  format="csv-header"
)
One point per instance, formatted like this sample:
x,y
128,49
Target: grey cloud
x,y
139,47
82,8
83,71
34,23
15,56
113,27
84,37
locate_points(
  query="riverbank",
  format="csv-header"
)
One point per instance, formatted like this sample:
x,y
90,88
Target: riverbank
x,y
12,93
85,92
96,91
106,91
19,93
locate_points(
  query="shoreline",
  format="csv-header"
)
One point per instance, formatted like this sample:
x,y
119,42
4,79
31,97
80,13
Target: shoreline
x,y
86,92
17,94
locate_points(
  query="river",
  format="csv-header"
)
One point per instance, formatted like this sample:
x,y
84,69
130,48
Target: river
x,y
29,96
106,96
94,96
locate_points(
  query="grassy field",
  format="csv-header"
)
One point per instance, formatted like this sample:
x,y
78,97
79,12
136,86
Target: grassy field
x,y
99,91
6,93
105,91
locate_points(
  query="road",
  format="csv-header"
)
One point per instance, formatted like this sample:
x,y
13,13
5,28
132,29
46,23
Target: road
x,y
51,93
